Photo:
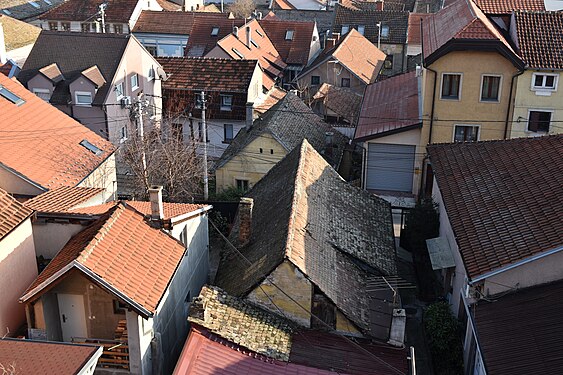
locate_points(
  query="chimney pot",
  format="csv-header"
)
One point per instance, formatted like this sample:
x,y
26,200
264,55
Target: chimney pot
x,y
235,31
245,220
248,37
157,208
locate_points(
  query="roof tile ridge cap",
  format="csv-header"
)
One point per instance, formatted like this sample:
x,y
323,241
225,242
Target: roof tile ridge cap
x,y
295,200
89,248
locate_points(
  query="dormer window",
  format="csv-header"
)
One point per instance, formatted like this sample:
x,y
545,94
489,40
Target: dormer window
x,y
384,31
345,29
215,31
361,29
289,35
44,94
83,98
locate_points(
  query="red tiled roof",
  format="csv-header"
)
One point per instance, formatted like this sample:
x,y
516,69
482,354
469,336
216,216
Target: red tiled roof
x,y
540,38
93,210
295,50
389,105
62,199
201,41
151,21
124,252
82,10
503,198
209,74
413,34
520,333
273,97
462,20
168,5
282,4
171,210
45,358
43,144
498,7
12,213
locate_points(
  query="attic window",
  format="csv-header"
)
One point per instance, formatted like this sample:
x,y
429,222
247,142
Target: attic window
x,y
48,2
34,4
215,31
254,43
95,150
384,31
289,35
361,29
238,53
259,33
7,94
6,11
345,29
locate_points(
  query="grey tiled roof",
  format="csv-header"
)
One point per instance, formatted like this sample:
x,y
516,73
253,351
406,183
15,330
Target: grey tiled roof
x,y
73,53
336,234
24,10
323,18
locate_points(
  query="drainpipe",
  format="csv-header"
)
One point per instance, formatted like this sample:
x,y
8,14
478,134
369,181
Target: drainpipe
x,y
434,90
509,102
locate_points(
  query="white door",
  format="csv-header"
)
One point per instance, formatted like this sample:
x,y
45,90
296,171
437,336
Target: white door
x,y
73,316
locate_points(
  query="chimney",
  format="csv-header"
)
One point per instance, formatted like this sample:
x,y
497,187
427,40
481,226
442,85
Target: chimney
x,y
248,37
249,115
379,5
329,143
330,42
3,54
157,208
245,219
235,31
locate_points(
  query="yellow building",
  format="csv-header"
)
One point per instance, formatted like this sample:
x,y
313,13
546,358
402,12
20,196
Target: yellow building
x,y
255,150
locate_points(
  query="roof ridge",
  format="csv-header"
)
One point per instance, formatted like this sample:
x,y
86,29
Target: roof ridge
x,y
118,209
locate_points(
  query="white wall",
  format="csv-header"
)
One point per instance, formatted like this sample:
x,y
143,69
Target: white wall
x,y
14,184
50,238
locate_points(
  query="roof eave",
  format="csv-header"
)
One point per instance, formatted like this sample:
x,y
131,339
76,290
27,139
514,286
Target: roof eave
x,y
389,132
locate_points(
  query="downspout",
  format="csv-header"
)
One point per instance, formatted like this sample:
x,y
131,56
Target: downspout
x,y
434,89
509,102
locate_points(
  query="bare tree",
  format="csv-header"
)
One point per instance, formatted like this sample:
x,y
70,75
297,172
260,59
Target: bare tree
x,y
8,370
242,8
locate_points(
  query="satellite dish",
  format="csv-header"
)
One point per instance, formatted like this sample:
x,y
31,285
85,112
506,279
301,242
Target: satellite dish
x,y
161,73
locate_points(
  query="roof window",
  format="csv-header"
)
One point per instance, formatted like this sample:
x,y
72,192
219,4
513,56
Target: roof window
x,y
34,4
238,53
6,11
48,2
7,94
214,31
289,35
95,150
254,43
259,33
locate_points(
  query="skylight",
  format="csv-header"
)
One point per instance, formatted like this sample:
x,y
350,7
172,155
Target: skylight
x,y
95,150
48,2
6,11
289,35
238,53
34,4
215,31
254,43
7,94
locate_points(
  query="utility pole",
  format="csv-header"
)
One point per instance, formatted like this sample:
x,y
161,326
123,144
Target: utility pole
x,y
103,16
141,130
204,130
379,35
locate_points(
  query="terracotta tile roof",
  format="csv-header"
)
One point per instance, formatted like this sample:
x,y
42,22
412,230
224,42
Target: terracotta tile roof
x,y
94,75
273,97
48,152
462,20
520,333
282,4
342,101
151,21
390,105
52,72
396,20
171,210
97,210
45,358
242,323
169,6
82,10
297,49
498,7
201,41
322,18
125,253
324,226
209,74
62,199
23,10
502,198
395,5
74,53
12,213
17,33
415,19
539,38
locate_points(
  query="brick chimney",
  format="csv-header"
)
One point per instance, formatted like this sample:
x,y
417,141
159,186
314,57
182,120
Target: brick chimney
x,y
248,37
249,115
245,219
157,208
330,42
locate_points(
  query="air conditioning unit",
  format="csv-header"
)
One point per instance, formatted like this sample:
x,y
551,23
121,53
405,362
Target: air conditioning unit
x,y
125,101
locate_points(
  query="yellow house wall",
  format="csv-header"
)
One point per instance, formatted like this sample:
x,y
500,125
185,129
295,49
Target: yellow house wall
x,y
490,116
526,99
249,164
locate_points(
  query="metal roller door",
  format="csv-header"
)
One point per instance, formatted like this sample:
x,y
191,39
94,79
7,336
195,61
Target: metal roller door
x,y
390,167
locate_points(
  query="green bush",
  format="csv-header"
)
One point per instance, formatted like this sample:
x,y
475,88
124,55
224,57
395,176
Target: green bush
x,y
444,339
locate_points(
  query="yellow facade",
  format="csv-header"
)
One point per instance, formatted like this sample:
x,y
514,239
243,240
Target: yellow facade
x,y
527,98
251,163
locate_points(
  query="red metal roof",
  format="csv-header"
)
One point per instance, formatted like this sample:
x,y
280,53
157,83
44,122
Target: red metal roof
x,y
388,106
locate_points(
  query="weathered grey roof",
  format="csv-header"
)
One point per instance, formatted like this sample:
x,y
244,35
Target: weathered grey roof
x,y
290,121
336,234
24,10
323,18
73,53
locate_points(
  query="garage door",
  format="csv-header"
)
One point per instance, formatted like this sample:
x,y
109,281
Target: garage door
x,y
390,167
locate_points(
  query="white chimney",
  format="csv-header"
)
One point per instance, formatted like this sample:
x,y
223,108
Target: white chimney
x,y
249,115
3,54
248,37
235,31
157,208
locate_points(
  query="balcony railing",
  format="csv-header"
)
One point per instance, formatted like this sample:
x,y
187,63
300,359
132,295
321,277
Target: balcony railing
x,y
115,355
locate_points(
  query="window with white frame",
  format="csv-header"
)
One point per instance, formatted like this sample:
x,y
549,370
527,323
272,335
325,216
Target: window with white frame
x,y
451,86
539,121
85,27
134,81
242,185
65,26
490,88
53,25
118,29
226,102
150,75
119,90
544,81
345,29
83,98
385,31
466,133
289,35
228,133
44,94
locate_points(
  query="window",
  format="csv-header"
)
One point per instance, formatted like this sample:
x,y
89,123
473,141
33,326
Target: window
x,y
315,80
289,35
65,26
83,98
107,28
384,31
451,83
361,29
150,75
118,29
345,29
345,82
119,90
228,133
7,12
490,88
544,82
90,147
271,151
134,81
48,2
242,185
53,25
238,53
261,150
187,302
124,133
466,133
152,50
198,101
7,94
226,102
85,27
259,33
34,4
215,31
119,307
388,63
44,94
538,121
